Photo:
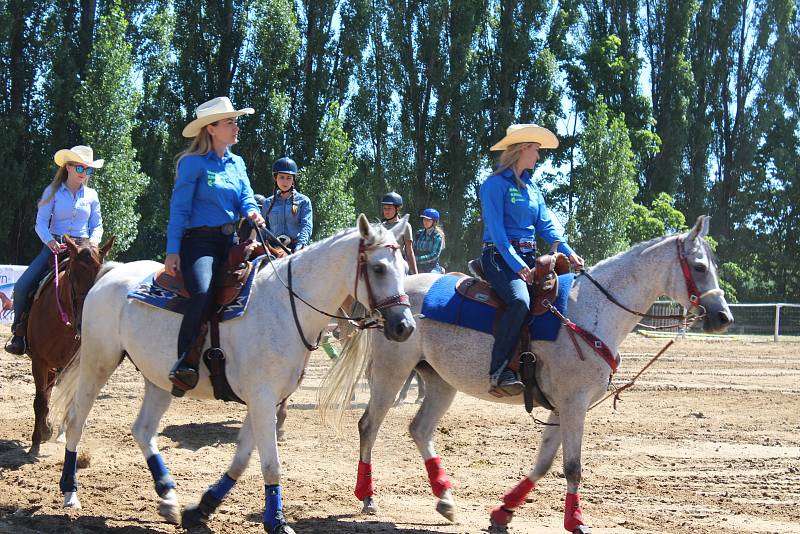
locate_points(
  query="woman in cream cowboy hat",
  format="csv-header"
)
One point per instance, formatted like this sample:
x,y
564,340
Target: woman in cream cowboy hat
x,y
211,192
68,207
514,213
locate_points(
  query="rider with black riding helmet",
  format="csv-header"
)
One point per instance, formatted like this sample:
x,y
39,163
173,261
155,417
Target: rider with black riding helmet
x,y
288,211
391,203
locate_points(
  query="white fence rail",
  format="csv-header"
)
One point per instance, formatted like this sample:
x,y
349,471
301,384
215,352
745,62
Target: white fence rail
x,y
775,318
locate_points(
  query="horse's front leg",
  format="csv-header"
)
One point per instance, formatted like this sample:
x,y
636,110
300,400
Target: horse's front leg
x,y
198,514
573,417
263,408
551,440
43,378
155,404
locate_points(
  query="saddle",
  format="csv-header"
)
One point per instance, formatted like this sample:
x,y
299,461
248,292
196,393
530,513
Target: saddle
x,y
231,275
544,287
547,268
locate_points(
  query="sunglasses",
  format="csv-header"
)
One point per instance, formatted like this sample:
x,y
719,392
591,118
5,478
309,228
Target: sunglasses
x,y
80,169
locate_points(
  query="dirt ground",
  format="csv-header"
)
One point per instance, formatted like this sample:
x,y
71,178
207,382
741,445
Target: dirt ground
x,y
708,441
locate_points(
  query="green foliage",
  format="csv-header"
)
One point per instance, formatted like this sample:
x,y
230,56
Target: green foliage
x,y
108,103
326,180
606,180
731,277
661,219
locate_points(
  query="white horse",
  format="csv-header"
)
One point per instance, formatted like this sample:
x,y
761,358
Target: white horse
x,y
265,353
452,358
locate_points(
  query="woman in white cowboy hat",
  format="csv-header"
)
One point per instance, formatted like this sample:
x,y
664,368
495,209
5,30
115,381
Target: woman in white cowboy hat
x,y
68,207
514,213
211,192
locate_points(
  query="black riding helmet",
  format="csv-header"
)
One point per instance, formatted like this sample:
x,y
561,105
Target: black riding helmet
x,y
392,198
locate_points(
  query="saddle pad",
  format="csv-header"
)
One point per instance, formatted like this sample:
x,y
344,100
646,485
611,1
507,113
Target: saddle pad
x,y
148,292
442,303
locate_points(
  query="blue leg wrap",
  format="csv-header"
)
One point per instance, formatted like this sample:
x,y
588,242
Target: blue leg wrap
x,y
222,487
161,475
273,512
67,482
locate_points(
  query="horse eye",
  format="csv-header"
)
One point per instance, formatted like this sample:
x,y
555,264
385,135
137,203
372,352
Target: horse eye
x,y
700,268
378,269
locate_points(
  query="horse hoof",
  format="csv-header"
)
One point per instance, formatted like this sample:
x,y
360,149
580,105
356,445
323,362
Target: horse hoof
x,y
34,450
281,436
582,529
281,529
370,507
495,528
446,506
192,517
169,509
71,500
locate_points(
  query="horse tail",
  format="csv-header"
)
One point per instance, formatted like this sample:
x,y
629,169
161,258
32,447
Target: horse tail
x,y
64,391
339,384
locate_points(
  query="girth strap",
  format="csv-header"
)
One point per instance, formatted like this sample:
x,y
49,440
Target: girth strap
x,y
215,361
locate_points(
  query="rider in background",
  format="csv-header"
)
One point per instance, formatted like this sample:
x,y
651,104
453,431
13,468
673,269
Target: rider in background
x,y
211,191
514,213
429,243
68,207
288,212
391,204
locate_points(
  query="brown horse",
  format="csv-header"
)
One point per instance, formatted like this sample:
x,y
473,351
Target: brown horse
x,y
52,341
7,305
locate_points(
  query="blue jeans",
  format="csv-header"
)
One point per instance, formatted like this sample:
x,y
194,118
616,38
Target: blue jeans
x,y
514,292
28,282
201,256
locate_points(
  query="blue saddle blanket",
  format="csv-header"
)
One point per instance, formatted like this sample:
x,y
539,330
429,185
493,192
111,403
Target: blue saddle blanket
x,y
444,304
154,295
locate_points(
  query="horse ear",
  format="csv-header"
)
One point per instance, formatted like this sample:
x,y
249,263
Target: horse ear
x,y
107,247
700,227
73,249
364,227
397,229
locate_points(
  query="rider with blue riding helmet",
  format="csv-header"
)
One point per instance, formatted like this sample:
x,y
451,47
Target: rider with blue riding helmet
x,y
429,243
68,207
288,211
514,213
211,192
390,205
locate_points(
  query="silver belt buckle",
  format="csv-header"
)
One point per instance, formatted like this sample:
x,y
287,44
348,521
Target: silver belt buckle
x,y
227,229
527,246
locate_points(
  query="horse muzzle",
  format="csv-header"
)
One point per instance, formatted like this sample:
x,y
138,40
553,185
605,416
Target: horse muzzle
x,y
398,324
717,321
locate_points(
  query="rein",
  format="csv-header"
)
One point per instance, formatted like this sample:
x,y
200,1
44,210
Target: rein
x,y
361,323
61,312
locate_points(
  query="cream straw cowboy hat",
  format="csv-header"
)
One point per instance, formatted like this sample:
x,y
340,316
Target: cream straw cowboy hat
x,y
78,154
527,133
212,111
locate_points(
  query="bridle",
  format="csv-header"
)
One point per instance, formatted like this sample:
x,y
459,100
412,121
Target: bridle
x,y
75,297
695,296
364,322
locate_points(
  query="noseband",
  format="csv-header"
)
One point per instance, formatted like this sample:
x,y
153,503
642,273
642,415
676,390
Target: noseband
x,y
361,269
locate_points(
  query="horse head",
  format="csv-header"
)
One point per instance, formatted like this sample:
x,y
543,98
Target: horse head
x,y
381,272
85,261
699,269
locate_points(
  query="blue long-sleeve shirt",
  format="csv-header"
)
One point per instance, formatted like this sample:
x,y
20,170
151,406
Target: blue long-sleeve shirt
x,y
519,214
76,215
282,221
209,191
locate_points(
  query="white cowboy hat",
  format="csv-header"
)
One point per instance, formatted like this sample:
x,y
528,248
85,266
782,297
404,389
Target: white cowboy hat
x,y
527,133
212,111
78,154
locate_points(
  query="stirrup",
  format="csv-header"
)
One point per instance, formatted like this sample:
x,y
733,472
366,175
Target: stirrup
x,y
183,377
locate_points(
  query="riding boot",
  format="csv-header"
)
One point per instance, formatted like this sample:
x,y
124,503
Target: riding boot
x,y
18,345
184,374
505,382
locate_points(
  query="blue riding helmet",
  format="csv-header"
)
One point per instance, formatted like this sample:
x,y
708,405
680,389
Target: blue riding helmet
x,y
430,213
392,198
284,165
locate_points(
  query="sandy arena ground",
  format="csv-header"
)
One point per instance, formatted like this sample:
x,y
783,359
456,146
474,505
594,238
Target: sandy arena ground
x,y
708,441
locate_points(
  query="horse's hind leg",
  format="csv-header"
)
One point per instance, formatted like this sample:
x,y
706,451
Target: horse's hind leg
x,y
573,417
283,410
385,379
198,514
438,398
155,403
43,378
551,440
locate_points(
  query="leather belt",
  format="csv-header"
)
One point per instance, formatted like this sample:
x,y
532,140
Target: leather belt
x,y
525,245
225,229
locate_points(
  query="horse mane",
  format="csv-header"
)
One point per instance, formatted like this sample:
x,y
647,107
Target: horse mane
x,y
105,268
637,250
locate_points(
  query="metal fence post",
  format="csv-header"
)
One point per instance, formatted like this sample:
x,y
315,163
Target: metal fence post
x,y
777,323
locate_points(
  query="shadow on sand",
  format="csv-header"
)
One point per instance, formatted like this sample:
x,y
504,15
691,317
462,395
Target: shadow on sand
x,y
22,521
14,455
194,436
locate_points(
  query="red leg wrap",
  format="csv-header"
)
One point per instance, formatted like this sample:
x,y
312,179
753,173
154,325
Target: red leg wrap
x,y
364,487
516,496
501,516
573,517
437,476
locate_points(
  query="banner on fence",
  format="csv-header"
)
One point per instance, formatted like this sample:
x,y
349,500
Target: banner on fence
x,y
8,277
